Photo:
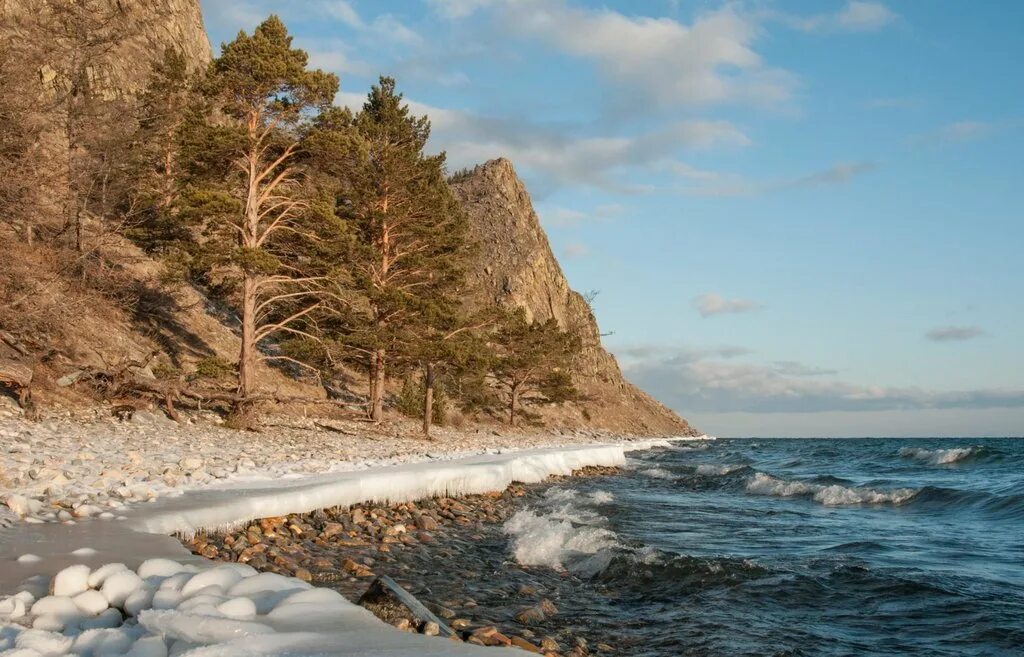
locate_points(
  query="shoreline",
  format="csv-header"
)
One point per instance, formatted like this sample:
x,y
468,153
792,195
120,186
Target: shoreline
x,y
141,532
347,548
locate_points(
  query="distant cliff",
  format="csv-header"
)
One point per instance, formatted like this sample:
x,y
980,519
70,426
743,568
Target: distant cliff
x,y
515,267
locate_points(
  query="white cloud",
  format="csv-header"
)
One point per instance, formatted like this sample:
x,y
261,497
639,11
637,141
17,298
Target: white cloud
x,y
954,333
718,184
563,217
858,16
663,60
708,384
709,305
855,16
959,132
458,8
555,157
345,12
575,250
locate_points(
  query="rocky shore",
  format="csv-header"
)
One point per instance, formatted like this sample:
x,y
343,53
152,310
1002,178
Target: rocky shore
x,y
346,548
67,468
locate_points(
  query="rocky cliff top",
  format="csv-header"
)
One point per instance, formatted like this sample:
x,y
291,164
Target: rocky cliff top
x,y
515,267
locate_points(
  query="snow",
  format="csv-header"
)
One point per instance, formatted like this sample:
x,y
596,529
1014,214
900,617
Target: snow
x,y
119,586
71,581
101,574
90,602
130,588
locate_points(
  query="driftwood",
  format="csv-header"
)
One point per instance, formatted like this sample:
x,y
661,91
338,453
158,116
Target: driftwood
x,y
18,378
131,387
390,602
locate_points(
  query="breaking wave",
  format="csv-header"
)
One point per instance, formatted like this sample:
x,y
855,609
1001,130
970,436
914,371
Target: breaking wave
x,y
542,540
944,456
829,495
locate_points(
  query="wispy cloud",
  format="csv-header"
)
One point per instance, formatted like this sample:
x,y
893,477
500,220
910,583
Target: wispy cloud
x,y
954,333
575,250
556,157
967,130
730,185
564,217
715,385
855,16
711,304
893,102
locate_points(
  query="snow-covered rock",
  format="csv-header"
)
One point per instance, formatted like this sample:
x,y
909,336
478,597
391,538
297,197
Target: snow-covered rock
x,y
118,586
71,581
91,602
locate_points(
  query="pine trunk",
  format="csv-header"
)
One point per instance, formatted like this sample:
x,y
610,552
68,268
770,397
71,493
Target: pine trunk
x,y
377,389
428,398
247,357
512,403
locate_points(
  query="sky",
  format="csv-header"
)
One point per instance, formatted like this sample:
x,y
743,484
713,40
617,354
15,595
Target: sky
x,y
802,218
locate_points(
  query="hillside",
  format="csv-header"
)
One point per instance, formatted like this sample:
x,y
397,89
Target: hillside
x,y
115,307
515,267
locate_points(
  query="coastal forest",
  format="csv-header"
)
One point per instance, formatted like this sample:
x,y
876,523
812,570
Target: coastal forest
x,y
329,239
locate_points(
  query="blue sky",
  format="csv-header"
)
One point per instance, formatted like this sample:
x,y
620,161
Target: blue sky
x,y
803,218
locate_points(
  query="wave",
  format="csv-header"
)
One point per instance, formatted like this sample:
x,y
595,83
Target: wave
x,y
657,473
657,572
709,470
829,495
539,540
944,456
1005,507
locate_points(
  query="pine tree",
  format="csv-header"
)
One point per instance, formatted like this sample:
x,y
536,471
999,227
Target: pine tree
x,y
406,235
150,202
246,183
531,363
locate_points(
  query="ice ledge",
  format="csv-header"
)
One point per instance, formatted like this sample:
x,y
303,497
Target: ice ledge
x,y
212,509
339,628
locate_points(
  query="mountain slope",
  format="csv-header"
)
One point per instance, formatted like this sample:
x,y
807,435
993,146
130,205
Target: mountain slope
x,y
515,267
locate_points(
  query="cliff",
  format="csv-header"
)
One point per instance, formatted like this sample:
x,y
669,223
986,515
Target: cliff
x,y
126,36
515,267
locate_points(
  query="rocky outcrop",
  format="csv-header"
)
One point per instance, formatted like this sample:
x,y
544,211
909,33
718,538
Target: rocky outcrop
x,y
514,267
127,35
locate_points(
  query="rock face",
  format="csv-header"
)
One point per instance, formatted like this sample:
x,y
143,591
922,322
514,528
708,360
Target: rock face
x,y
515,268
144,30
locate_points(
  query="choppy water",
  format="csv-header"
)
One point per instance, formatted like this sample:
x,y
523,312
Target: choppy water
x,y
775,547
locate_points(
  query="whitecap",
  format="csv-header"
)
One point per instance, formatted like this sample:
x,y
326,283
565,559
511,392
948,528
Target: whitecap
x,y
940,456
717,470
834,495
657,473
546,541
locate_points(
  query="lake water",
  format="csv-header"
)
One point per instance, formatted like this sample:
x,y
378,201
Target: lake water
x,y
774,547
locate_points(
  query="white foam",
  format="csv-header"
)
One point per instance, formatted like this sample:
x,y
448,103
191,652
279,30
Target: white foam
x,y
939,456
657,473
717,470
834,495
547,541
